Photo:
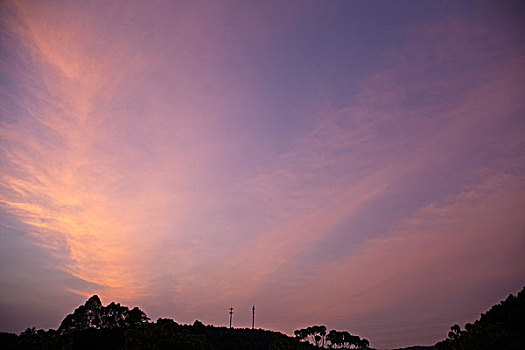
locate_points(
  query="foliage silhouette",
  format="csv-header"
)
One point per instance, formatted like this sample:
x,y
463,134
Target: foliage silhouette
x,y
313,334
92,315
116,327
317,336
502,327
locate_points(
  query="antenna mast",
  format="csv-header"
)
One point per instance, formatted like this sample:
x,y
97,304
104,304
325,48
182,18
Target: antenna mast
x,y
253,316
231,314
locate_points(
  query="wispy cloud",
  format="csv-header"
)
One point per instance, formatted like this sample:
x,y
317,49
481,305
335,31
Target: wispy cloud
x,y
152,155
69,169
409,155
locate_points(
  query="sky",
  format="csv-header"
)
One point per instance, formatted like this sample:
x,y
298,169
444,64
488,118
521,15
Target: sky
x,y
357,164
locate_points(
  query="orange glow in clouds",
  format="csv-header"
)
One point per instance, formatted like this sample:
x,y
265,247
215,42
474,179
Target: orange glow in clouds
x,y
316,161
64,182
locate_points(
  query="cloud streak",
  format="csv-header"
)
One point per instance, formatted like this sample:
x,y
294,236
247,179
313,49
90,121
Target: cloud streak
x,y
161,157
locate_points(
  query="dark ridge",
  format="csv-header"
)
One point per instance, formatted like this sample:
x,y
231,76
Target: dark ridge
x,y
502,327
92,315
116,327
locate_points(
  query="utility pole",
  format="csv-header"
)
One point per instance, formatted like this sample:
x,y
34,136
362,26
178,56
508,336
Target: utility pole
x,y
231,314
253,317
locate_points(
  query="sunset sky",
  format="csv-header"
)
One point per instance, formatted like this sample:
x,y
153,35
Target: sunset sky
x,y
357,164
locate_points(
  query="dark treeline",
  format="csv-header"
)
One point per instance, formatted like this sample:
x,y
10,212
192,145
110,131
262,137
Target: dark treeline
x,y
502,327
93,326
163,334
116,327
333,340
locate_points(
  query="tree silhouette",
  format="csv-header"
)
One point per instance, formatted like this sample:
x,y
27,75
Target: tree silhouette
x,y
92,315
317,336
344,340
502,327
364,344
314,334
335,339
116,327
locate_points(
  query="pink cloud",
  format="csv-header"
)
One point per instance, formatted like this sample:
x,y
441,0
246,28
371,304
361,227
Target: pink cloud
x,y
129,150
346,162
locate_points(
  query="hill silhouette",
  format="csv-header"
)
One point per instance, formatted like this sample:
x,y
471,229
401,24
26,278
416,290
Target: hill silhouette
x,y
116,327
502,327
92,315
